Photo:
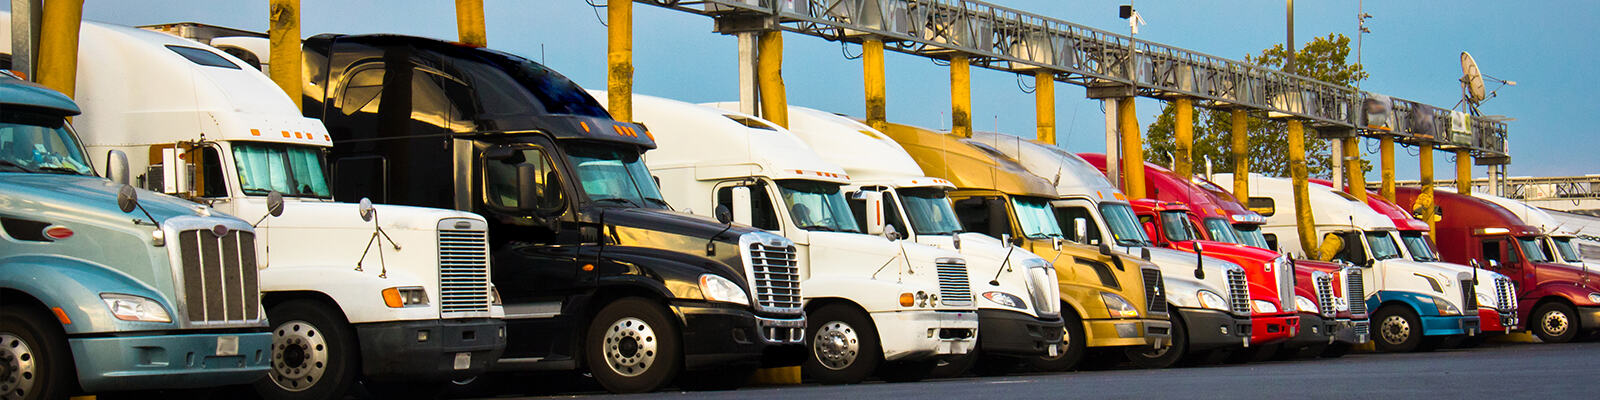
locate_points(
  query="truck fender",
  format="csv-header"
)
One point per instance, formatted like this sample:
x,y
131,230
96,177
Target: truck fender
x,y
357,294
871,295
1567,292
1413,300
74,287
669,273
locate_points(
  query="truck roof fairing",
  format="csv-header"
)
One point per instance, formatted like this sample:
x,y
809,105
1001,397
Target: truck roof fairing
x,y
865,153
1070,174
20,93
721,144
968,164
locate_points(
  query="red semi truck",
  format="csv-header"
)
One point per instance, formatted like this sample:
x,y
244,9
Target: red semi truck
x,y
1558,302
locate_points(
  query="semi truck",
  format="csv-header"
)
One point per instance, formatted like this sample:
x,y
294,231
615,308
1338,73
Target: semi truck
x,y
1019,301
853,276
104,287
596,271
1557,302
1558,237
1111,300
1211,296
1415,306
403,300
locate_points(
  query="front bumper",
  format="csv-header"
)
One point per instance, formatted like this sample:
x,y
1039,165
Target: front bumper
x,y
176,361
1353,331
430,350
716,336
1128,332
1269,329
1314,329
1012,333
919,335
1209,329
1434,325
1588,318
1491,320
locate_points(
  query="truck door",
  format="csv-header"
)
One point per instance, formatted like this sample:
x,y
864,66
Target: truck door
x,y
537,257
1500,255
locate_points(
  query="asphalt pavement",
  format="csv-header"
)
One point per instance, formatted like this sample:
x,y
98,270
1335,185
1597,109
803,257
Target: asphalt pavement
x,y
1500,371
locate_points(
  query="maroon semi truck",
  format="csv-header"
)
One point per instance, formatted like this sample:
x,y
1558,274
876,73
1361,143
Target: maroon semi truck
x,y
1557,302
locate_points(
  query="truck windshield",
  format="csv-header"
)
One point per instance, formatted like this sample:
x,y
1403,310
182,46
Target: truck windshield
x,y
1382,245
1176,226
1221,231
294,170
929,211
612,174
1418,245
1564,247
1531,249
39,142
817,206
1250,235
1124,226
1034,215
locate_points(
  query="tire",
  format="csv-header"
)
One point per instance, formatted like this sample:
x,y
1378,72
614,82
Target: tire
x,y
907,371
1147,358
842,345
1073,346
1555,322
633,347
314,353
716,379
1399,330
1336,350
34,355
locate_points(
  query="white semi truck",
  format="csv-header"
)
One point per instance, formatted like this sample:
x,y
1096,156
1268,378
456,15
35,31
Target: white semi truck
x,y
355,293
1019,305
1413,305
875,304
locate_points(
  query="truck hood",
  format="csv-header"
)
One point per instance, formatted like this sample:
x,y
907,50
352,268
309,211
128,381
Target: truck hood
x,y
1177,272
988,259
1562,273
675,222
323,215
89,195
1263,284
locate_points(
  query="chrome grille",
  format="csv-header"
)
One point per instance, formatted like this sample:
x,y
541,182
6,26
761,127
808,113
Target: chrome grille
x,y
954,287
1469,296
1325,294
1238,291
1285,275
463,266
1505,292
1356,292
1155,294
775,277
220,281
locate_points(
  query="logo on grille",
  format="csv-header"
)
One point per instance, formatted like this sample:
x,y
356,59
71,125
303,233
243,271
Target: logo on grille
x,y
219,230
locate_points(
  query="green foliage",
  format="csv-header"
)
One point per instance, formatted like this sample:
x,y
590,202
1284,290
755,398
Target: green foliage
x,y
1324,58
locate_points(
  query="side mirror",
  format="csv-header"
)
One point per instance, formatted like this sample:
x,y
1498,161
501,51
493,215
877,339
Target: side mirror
x,y
1474,264
955,240
1367,264
723,215
366,211
890,233
1494,264
127,198
1105,249
1080,230
1005,240
1055,243
1199,261
274,203
527,191
741,211
174,172
117,166
1144,252
874,210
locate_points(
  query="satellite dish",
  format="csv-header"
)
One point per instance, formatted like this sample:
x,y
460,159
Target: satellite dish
x,y
1471,79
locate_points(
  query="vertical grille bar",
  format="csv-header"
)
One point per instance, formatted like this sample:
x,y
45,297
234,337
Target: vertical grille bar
x,y
1503,290
211,269
776,276
194,289
232,282
251,289
463,267
1238,291
954,287
1155,295
1356,292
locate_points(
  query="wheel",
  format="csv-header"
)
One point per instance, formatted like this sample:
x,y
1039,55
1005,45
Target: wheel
x,y
1165,357
1073,345
844,345
716,379
34,360
633,347
1399,329
1336,350
314,353
1555,322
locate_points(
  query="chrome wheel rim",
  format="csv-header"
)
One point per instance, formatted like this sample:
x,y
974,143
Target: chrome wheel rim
x,y
18,371
630,346
299,356
1396,329
1555,323
836,345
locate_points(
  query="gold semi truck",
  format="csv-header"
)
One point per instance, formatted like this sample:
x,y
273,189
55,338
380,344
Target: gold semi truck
x,y
1108,299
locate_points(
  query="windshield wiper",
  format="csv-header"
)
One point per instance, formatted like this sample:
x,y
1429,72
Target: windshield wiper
x,y
618,200
824,228
56,168
13,164
663,203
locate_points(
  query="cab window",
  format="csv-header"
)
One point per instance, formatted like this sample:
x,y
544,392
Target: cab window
x,y
500,179
1069,217
762,215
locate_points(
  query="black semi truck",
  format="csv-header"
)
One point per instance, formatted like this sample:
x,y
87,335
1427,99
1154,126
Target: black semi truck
x,y
596,271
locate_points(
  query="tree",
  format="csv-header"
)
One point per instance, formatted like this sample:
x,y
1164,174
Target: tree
x,y
1324,58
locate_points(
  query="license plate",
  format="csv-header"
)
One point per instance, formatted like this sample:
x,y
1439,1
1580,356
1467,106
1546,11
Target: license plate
x,y
227,345
1055,350
463,360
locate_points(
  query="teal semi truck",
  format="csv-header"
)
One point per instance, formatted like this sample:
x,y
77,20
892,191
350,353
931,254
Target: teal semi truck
x,y
104,287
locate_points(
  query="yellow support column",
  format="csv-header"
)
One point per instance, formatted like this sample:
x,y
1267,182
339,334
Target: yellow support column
x,y
1425,200
1044,104
769,75
1464,172
1132,148
283,35
1241,156
619,59
872,77
1352,168
960,96
1386,158
469,23
1183,165
58,45
1302,195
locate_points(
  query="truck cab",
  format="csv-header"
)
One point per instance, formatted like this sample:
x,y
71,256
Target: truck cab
x,y
1019,301
403,297
1558,302
1415,305
1558,239
853,276
597,273
1110,300
104,287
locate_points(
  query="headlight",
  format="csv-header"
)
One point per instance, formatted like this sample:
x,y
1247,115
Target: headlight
x,y
1118,306
1263,307
494,295
1305,304
411,296
1004,299
128,307
716,288
1212,300
1594,297
1445,308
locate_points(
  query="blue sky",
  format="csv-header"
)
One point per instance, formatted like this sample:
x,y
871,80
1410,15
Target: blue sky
x,y
1412,53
